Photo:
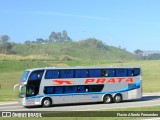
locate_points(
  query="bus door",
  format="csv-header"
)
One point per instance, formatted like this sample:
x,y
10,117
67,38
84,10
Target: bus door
x,y
33,84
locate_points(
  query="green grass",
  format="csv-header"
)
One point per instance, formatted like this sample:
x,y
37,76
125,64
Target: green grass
x,y
11,72
150,74
90,49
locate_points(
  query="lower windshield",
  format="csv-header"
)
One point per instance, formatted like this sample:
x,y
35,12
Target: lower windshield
x,y
24,77
22,91
30,91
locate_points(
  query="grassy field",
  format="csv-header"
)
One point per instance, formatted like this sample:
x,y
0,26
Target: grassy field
x,y
11,72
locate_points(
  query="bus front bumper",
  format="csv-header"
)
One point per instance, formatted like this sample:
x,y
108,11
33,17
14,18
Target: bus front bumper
x,y
28,102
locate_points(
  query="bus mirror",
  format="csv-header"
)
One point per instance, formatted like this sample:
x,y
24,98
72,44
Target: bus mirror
x,y
15,86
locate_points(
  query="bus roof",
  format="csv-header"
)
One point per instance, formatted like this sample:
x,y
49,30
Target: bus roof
x,y
82,67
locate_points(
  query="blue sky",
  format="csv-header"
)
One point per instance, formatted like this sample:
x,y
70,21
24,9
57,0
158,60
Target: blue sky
x,y
130,24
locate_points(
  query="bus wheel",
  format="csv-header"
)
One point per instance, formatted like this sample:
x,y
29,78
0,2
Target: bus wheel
x,y
46,102
117,98
107,99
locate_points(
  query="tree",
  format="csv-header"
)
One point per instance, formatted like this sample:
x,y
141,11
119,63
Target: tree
x,y
4,38
40,40
154,56
64,35
27,42
138,52
53,37
59,36
5,48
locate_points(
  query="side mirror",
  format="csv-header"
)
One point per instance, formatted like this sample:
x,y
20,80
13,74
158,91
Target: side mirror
x,y
16,86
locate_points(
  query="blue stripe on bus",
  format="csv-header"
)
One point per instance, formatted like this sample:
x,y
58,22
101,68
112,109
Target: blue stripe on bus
x,y
135,86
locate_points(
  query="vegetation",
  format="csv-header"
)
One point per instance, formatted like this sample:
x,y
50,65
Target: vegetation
x,y
90,49
60,50
154,56
11,72
54,37
59,46
151,56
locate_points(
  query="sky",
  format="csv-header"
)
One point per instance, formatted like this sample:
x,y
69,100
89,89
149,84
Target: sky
x,y
129,24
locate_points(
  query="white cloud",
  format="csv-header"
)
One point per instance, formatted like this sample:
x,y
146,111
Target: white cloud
x,y
48,13
69,15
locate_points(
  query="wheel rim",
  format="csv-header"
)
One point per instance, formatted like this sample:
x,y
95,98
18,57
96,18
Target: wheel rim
x,y
46,103
118,98
108,99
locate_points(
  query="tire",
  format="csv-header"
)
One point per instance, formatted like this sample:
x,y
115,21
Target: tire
x,y
118,98
107,99
46,102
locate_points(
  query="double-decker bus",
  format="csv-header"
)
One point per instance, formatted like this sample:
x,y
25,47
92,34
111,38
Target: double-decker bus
x,y
48,86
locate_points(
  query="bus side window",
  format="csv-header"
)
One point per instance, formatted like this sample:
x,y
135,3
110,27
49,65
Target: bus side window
x,y
104,73
94,73
49,90
80,73
136,71
74,89
81,89
121,72
52,74
130,72
87,88
111,73
96,88
66,73
70,89
58,90
67,89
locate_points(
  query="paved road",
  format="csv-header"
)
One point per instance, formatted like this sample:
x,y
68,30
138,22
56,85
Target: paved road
x,y
149,99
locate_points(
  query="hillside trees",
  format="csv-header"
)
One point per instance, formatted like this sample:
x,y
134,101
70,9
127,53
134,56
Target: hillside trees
x,y
4,38
138,54
59,37
5,45
53,37
94,42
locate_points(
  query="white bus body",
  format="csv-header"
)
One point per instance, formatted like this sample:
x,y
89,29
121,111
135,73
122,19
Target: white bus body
x,y
47,86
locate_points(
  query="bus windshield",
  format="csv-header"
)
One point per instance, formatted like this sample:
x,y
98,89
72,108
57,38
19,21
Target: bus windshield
x,y
24,77
22,92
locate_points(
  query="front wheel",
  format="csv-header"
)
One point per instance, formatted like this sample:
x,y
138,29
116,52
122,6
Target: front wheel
x,y
107,99
46,102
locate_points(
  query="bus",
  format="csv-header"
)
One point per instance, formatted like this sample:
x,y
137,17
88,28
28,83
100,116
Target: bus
x,y
49,86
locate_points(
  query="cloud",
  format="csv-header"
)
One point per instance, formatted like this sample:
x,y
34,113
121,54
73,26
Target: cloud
x,y
48,13
70,15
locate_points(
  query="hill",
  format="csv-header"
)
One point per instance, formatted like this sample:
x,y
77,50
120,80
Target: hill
x,y
89,49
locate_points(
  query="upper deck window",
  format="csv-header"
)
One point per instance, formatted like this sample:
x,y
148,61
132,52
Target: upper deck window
x,y
136,71
95,73
80,73
130,72
52,74
121,72
66,73
111,73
